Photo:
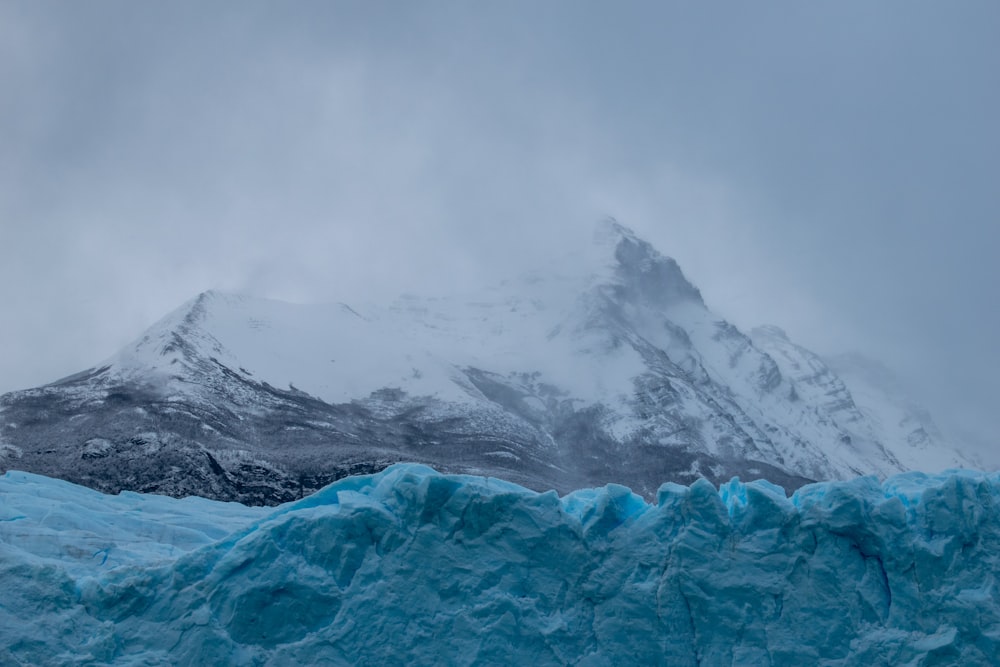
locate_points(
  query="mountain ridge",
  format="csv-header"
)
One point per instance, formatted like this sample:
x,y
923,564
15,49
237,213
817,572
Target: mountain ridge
x,y
608,369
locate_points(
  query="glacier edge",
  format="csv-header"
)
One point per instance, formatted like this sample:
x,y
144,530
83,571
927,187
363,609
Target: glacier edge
x,y
411,566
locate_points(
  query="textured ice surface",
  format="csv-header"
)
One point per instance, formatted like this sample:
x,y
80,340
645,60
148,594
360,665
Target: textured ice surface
x,y
412,567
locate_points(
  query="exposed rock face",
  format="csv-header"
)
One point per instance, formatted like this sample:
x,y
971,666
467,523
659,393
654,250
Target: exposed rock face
x,y
610,369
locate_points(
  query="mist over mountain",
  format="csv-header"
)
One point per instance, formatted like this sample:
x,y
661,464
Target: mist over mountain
x,y
606,366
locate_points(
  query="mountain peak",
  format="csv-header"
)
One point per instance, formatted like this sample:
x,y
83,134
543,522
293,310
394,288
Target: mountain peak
x,y
609,368
642,274
609,232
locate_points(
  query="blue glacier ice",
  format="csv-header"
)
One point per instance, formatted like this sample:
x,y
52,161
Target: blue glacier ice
x,y
413,567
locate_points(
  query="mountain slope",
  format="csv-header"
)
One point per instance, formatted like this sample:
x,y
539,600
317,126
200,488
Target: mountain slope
x,y
896,416
609,368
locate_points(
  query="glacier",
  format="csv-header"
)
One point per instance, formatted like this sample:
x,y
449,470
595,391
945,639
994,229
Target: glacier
x,y
409,566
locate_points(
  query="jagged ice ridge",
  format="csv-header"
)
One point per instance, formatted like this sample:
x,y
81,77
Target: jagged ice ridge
x,y
409,566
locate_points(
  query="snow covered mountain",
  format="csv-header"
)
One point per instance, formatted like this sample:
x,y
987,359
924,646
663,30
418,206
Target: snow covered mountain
x,y
608,367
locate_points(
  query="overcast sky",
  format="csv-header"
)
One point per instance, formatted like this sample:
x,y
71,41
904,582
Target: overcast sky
x,y
833,168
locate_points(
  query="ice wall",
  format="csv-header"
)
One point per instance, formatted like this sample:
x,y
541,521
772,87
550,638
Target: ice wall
x,y
413,567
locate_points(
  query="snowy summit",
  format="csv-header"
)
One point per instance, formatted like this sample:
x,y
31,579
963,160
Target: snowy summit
x,y
607,367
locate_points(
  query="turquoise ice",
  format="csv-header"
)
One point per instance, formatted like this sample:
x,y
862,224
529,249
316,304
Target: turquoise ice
x,y
411,567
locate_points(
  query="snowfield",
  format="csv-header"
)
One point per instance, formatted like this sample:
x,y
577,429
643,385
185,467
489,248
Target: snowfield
x,y
413,567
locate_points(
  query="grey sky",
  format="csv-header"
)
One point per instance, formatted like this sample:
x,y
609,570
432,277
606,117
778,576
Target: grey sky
x,y
831,168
